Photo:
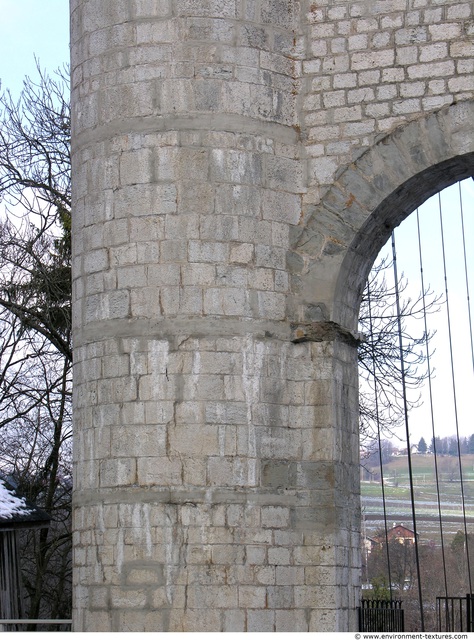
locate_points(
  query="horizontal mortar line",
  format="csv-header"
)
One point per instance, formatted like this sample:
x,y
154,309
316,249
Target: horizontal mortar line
x,y
173,328
227,123
133,495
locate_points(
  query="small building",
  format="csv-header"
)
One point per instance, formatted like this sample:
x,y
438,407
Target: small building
x,y
369,544
398,533
16,513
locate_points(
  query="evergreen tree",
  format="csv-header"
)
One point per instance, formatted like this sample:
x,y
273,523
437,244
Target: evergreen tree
x,y
470,444
453,446
422,446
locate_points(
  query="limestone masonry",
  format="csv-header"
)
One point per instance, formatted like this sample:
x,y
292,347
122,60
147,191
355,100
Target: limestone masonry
x,y
237,165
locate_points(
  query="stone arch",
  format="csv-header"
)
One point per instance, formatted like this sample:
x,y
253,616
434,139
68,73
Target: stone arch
x,y
368,199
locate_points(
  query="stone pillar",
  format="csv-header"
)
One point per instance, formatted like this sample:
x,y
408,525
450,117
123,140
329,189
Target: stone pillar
x,y
215,448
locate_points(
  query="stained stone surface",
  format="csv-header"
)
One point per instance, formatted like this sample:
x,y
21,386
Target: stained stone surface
x,y
236,167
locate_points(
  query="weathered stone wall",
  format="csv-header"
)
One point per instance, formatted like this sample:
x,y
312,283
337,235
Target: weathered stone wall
x,y
376,64
228,168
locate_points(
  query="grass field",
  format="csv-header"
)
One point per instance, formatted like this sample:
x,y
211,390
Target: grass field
x,y
428,508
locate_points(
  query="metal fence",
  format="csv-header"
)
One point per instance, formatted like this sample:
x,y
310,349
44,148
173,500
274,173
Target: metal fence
x,y
455,613
17,624
381,615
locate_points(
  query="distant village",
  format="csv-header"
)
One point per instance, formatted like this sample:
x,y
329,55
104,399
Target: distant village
x,y
446,446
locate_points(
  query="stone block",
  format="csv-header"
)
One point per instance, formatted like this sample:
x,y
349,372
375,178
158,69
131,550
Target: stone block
x,y
227,471
148,573
220,363
279,556
236,167
214,8
285,174
138,440
369,60
228,302
150,227
260,620
251,597
255,554
228,554
273,516
212,597
201,440
117,472
461,50
226,413
136,167
241,253
195,472
320,555
238,515
211,252
271,415
431,69
123,255
278,474
99,597
97,260
152,8
148,252
445,31
462,83
112,390
431,52
289,576
282,207
234,621
270,305
279,442
94,620
195,619
253,36
131,277
291,621
232,276
257,231
159,471
309,596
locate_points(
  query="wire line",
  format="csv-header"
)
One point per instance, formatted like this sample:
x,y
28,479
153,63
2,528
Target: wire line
x,y
405,409
430,394
379,438
448,317
466,274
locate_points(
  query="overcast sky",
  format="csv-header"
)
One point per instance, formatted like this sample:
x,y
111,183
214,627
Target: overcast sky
x,y
453,339
29,28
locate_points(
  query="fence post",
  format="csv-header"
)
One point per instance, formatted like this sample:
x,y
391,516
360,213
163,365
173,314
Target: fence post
x,y
468,612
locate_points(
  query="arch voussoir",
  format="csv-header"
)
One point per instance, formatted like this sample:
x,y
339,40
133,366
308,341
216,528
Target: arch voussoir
x,y
373,194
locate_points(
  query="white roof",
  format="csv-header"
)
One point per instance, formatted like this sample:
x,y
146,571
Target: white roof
x,y
10,505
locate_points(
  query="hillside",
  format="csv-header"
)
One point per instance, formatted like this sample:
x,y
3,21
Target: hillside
x,y
427,507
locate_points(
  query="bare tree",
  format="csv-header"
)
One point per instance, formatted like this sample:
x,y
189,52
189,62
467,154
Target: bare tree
x,y
35,327
35,187
381,399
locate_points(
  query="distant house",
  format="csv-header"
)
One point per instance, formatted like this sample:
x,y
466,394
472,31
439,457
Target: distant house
x,y
16,513
398,533
369,544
